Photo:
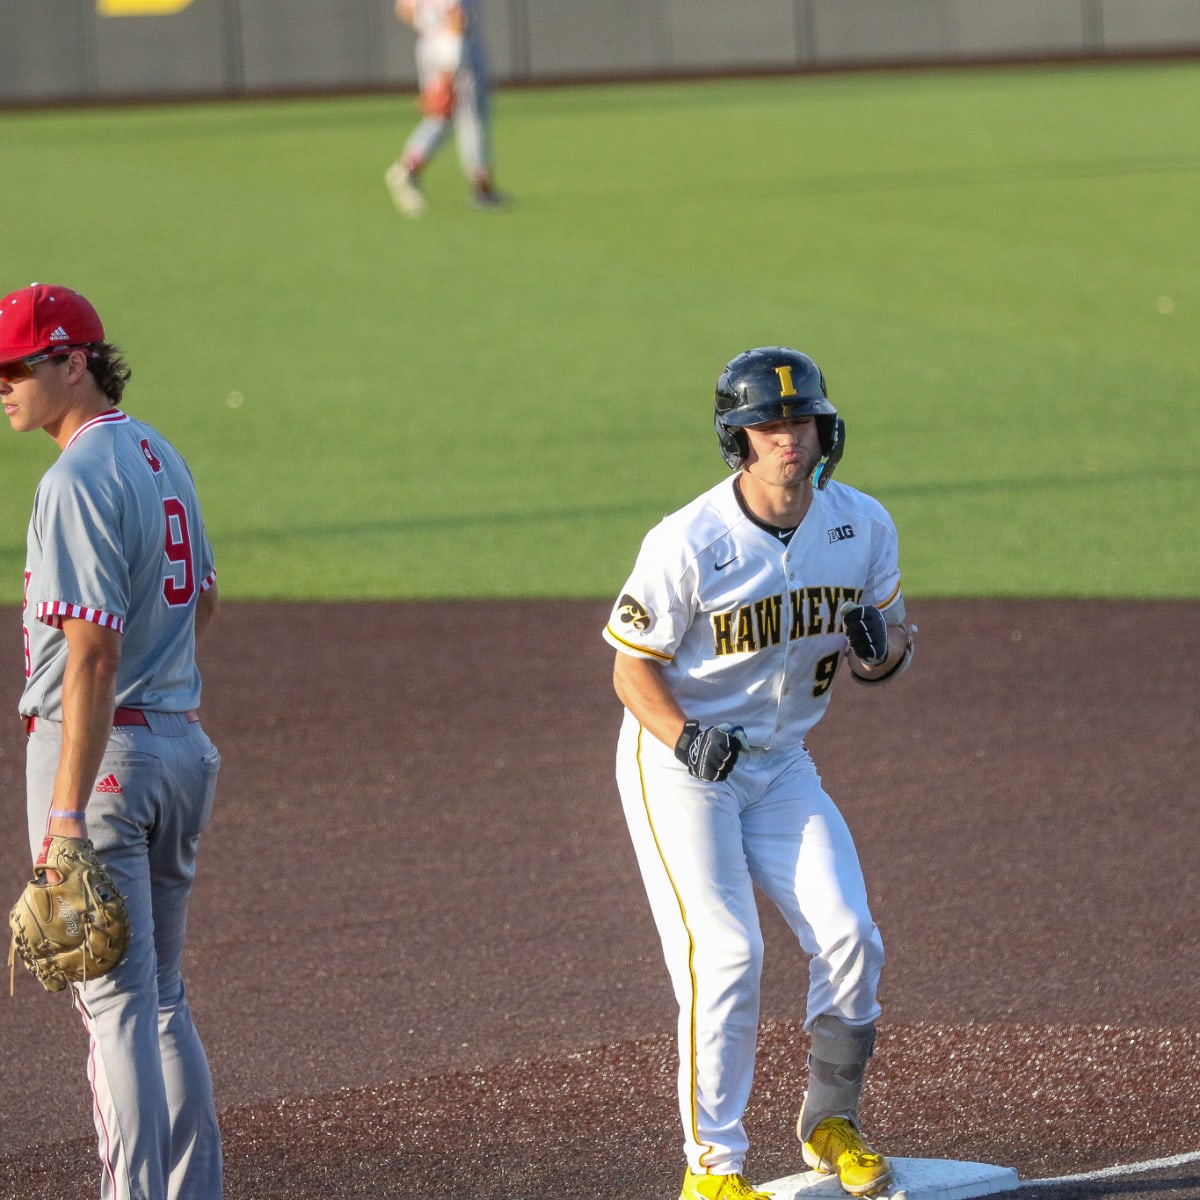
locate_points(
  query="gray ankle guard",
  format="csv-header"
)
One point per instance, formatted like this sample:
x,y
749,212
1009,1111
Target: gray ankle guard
x,y
836,1065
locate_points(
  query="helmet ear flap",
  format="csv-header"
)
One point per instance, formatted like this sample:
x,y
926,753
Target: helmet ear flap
x,y
734,444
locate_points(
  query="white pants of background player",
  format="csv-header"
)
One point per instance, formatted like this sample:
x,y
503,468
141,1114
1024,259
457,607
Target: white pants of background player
x,y
156,1123
471,122
701,848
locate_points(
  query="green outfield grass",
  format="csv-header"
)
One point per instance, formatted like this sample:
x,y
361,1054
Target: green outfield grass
x,y
997,269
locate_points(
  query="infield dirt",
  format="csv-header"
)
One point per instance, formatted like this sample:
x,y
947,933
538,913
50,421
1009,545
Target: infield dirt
x,y
424,966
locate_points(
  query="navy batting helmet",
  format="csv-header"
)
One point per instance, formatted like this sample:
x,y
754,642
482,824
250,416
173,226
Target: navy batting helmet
x,y
773,383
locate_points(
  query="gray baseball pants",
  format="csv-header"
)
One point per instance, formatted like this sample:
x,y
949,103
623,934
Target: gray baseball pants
x,y
156,1122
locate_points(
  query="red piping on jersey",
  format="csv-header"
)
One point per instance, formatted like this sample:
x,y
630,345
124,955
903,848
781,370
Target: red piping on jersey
x,y
103,419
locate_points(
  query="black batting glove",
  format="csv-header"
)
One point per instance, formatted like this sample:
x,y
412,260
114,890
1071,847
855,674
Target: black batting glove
x,y
867,632
709,754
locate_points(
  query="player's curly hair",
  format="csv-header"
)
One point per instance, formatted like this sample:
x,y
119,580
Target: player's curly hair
x,y
109,369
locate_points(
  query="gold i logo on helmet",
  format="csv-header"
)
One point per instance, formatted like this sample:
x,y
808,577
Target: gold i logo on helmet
x,y
786,386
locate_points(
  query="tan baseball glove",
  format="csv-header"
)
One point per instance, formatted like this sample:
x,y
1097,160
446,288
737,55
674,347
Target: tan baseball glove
x,y
73,930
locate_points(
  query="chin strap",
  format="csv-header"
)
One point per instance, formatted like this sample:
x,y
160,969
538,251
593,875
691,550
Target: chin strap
x,y
824,472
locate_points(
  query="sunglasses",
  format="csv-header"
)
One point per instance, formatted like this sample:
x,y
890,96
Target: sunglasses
x,y
22,368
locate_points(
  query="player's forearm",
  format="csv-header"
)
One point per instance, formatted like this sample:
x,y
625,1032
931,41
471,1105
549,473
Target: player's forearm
x,y
641,688
87,723
898,639
88,702
208,604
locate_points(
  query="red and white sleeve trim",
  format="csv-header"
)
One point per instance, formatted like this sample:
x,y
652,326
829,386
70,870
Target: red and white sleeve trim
x,y
208,581
53,612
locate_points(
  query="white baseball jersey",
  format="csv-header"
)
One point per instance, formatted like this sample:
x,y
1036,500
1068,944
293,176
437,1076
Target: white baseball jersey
x,y
433,16
746,628
116,537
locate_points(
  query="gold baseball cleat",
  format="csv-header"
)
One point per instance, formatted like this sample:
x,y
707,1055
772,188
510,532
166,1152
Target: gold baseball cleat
x,y
836,1147
718,1187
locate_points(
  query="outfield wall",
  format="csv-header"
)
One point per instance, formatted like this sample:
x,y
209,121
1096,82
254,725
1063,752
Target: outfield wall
x,y
68,51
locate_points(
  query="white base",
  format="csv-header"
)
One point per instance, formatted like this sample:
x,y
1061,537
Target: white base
x,y
915,1179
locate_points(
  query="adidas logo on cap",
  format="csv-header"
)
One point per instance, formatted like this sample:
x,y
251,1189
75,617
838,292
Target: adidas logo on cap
x,y
46,317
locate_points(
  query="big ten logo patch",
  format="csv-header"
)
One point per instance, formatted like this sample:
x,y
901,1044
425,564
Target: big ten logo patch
x,y
840,533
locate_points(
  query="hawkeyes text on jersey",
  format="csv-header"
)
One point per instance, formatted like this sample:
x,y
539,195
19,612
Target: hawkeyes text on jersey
x,y
749,627
745,624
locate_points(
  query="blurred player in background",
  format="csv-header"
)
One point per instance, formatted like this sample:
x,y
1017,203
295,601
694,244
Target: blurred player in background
x,y
454,93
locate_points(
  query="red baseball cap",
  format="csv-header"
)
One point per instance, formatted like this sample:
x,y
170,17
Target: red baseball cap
x,y
42,316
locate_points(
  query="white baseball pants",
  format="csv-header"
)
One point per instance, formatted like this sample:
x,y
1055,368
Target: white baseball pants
x,y
702,848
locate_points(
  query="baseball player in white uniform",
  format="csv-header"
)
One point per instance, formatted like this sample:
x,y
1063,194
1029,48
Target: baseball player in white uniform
x,y
452,75
119,582
729,633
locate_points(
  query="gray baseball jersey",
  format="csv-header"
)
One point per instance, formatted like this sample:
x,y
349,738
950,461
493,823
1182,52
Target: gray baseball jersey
x,y
116,537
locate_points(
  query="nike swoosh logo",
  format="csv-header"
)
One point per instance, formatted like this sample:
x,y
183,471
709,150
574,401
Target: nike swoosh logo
x,y
722,566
